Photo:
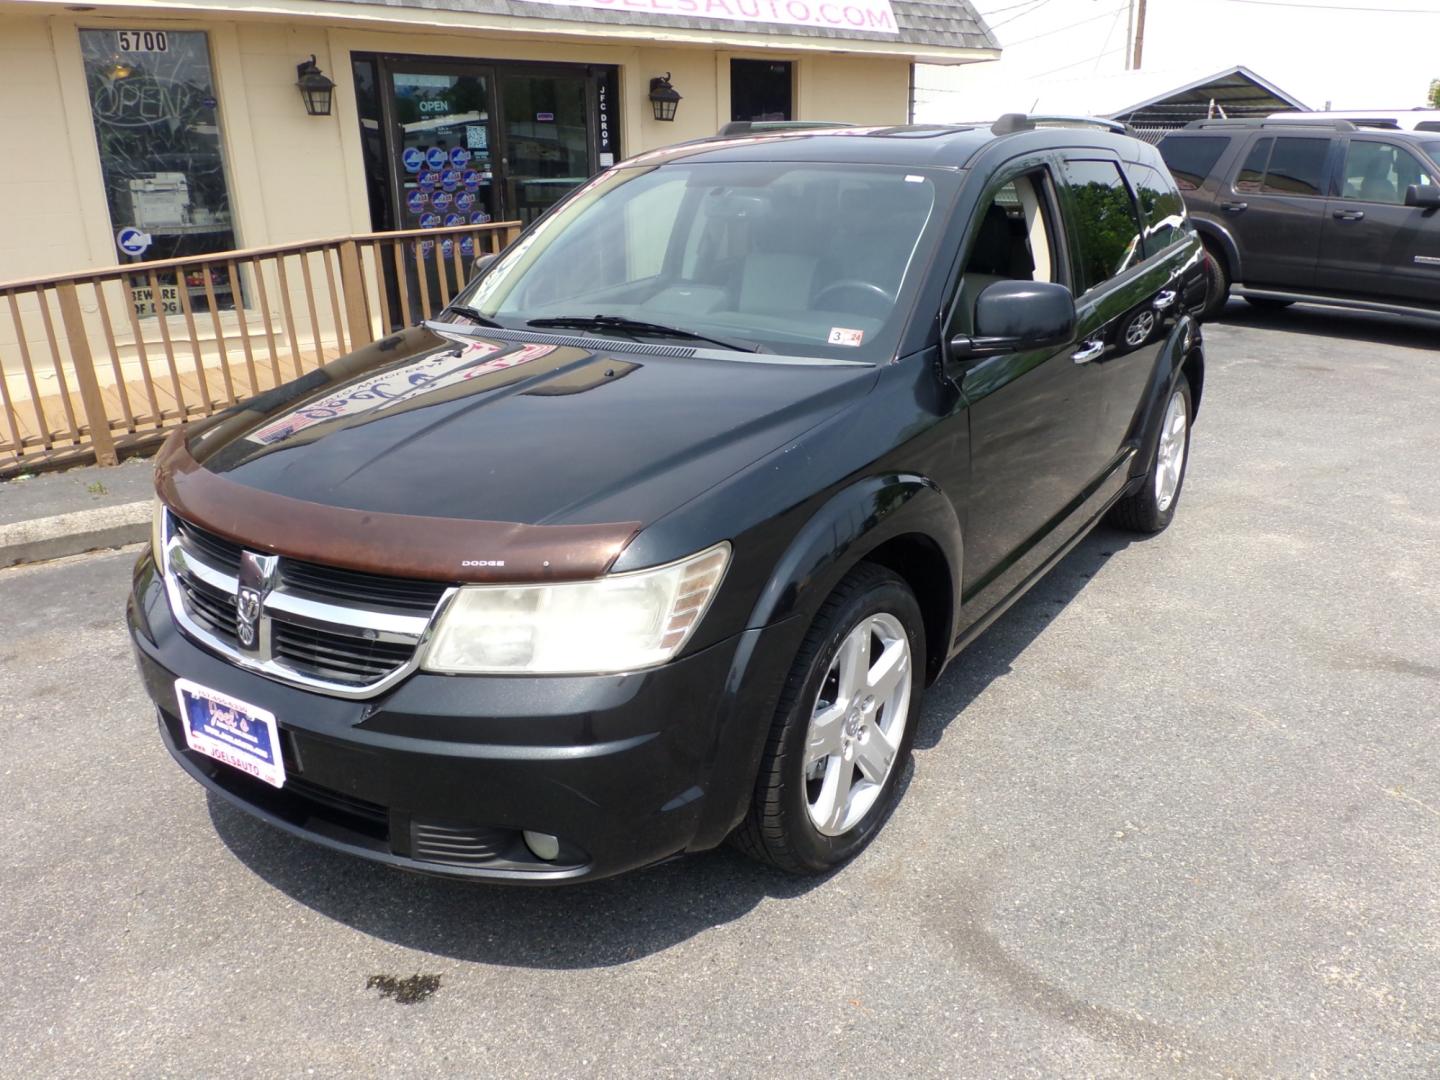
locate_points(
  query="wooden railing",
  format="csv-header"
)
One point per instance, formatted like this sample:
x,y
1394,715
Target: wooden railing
x,y
100,363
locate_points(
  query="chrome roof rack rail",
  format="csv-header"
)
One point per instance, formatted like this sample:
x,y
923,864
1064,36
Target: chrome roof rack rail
x,y
1013,122
1298,120
760,127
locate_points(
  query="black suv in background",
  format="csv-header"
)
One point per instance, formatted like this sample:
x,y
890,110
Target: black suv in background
x,y
1316,211
657,534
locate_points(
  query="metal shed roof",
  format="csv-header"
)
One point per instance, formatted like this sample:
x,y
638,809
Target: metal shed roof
x,y
1237,90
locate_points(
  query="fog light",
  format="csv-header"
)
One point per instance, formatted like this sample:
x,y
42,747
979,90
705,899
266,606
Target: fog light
x,y
542,845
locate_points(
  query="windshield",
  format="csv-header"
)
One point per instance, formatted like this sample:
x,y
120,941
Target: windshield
x,y
790,257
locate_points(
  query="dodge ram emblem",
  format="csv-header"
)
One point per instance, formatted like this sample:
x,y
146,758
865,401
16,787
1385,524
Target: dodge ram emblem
x,y
257,575
247,615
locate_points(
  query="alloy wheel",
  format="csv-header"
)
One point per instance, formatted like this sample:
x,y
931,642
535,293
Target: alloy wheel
x,y
1170,460
857,724
1139,330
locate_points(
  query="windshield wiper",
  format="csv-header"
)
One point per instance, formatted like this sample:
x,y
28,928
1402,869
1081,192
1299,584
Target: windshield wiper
x,y
474,316
635,326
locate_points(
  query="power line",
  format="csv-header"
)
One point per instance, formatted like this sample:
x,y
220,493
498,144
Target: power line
x,y
1071,26
1337,7
1022,15
1031,5
1077,63
1003,10
1110,33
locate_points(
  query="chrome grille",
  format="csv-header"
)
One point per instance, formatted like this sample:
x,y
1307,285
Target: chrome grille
x,y
336,656
343,632
215,549
212,606
350,586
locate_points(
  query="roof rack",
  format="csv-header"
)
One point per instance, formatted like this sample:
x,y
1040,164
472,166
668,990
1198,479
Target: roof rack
x,y
1266,122
1013,122
758,127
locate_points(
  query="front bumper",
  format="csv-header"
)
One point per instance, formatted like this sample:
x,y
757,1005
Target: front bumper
x,y
442,773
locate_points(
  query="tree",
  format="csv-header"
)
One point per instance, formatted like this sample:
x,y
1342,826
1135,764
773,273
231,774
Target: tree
x,y
1435,93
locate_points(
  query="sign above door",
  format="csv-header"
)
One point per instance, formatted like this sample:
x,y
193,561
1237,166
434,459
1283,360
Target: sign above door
x,y
868,16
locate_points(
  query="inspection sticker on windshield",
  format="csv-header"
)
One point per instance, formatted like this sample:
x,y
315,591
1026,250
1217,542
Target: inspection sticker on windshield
x,y
841,336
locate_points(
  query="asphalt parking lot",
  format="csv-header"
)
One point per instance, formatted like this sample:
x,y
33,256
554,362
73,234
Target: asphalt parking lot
x,y
1176,814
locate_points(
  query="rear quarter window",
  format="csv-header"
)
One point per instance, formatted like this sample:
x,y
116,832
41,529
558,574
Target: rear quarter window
x,y
1192,158
1162,209
1103,219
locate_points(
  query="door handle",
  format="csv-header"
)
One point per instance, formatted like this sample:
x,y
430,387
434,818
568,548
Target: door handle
x,y
1164,299
1349,215
1234,207
1092,350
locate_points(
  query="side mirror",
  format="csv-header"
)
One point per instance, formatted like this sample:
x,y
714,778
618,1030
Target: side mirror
x,y
1424,195
1012,316
481,264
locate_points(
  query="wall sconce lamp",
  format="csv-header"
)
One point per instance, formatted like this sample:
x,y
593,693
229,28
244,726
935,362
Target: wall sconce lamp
x,y
315,87
663,97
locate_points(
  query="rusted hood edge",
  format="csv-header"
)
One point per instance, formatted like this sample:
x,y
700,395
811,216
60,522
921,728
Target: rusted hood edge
x,y
400,545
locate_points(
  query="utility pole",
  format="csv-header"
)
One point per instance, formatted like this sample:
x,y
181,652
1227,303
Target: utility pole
x,y
1129,32
1139,35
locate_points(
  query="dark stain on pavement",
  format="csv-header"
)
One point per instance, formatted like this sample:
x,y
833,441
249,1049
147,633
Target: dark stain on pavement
x,y
407,991
1395,664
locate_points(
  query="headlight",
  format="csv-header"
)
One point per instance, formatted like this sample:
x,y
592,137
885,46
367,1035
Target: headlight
x,y
617,623
157,534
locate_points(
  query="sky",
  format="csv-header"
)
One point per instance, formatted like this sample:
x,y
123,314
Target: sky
x,y
1355,54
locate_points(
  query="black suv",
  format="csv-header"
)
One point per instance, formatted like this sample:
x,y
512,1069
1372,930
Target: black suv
x,y
657,534
1318,211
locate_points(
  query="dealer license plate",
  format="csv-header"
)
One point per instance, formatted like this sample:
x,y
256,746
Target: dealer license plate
x,y
242,736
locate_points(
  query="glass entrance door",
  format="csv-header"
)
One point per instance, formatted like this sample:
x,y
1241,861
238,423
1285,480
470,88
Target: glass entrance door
x,y
443,147
451,142
546,139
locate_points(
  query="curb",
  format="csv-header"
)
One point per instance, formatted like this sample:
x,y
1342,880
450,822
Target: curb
x,y
73,534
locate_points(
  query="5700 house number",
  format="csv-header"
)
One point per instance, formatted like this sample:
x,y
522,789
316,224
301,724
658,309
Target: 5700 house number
x,y
142,41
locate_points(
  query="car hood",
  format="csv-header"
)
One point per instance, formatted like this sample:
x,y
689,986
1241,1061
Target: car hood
x,y
531,432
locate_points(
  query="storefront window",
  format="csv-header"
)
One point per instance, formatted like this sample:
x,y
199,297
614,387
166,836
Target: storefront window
x,y
152,97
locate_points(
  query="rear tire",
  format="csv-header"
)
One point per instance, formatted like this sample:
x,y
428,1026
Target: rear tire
x,y
842,733
1152,508
1217,284
1268,303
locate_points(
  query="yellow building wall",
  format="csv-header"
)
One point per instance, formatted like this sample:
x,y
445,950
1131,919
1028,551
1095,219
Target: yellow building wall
x,y
856,89
298,187
42,230
296,177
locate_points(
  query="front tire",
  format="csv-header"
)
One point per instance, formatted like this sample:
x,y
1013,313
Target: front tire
x,y
1152,508
843,729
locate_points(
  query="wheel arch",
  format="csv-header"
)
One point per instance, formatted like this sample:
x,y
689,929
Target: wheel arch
x,y
1217,240
1193,368
900,521
917,559
1182,358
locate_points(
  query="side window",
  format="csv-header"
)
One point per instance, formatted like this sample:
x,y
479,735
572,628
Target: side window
x,y
1161,208
1192,157
1252,173
1106,229
1016,240
1297,167
1380,172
